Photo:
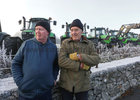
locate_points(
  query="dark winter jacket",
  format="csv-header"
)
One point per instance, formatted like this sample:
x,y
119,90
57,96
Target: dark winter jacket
x,y
72,78
35,67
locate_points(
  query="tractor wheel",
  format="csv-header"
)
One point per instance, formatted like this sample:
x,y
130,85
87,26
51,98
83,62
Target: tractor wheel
x,y
12,44
2,37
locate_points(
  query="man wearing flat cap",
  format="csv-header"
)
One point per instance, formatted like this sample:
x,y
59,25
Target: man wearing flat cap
x,y
77,55
35,66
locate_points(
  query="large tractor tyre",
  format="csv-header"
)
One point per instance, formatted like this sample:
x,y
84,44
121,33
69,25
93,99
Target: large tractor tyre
x,y
2,37
12,44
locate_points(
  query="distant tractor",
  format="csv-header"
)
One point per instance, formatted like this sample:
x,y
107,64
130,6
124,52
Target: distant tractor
x,y
85,27
113,34
67,32
100,34
124,36
29,32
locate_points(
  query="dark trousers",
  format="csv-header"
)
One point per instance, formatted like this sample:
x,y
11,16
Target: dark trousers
x,y
44,96
66,95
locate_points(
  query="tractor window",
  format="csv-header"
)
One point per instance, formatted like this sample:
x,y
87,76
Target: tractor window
x,y
32,25
129,35
135,35
92,33
114,33
100,32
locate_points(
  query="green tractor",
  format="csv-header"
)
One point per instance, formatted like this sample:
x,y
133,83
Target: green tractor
x,y
113,35
124,36
29,32
133,37
136,38
67,33
100,34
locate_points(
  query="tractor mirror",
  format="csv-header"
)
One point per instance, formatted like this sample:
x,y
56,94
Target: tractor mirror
x,y
50,18
63,26
87,26
0,27
19,22
54,22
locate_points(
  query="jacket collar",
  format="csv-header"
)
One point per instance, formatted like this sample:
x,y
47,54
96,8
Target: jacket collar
x,y
48,41
83,39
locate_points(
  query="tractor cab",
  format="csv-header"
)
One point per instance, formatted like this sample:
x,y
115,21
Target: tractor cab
x,y
67,32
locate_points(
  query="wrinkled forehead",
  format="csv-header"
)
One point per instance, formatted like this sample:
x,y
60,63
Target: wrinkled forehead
x,y
75,28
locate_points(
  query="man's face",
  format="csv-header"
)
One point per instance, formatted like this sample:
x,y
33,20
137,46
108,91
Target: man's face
x,y
76,33
41,33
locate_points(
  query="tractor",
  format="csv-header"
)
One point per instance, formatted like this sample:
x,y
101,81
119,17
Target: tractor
x,y
113,35
67,33
29,32
100,34
11,44
85,27
124,36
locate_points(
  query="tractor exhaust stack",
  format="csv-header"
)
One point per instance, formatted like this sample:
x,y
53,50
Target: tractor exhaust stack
x,y
0,27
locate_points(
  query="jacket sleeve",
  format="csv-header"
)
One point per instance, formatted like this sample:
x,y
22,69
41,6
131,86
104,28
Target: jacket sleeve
x,y
55,66
17,65
65,61
91,59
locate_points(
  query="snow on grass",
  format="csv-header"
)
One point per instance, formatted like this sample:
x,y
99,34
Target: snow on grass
x,y
7,84
5,60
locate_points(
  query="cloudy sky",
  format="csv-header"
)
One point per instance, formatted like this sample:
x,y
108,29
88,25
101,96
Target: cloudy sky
x,y
96,13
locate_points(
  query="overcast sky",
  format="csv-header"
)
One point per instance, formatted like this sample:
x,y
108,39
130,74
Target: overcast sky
x,y
100,13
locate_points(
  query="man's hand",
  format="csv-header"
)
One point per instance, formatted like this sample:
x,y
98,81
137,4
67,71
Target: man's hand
x,y
73,56
84,66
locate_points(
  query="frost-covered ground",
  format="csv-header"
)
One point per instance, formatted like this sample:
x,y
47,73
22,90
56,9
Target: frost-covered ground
x,y
7,84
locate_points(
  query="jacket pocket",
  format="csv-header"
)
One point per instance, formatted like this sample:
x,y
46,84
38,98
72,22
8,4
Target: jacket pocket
x,y
20,83
27,85
63,74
